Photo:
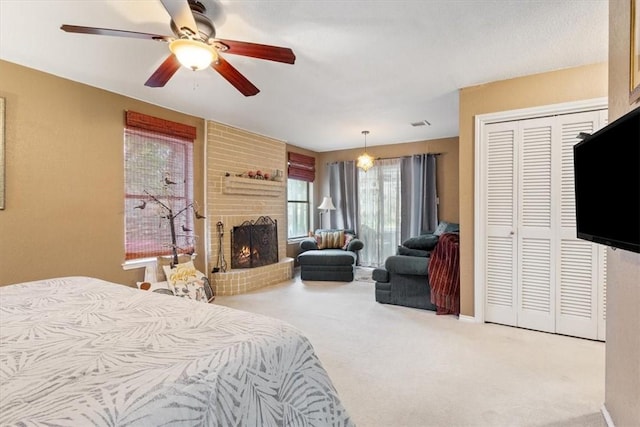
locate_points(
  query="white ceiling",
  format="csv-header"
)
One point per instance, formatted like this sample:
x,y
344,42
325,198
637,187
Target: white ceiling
x,y
374,65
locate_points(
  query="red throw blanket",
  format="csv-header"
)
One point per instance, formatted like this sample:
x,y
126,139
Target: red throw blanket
x,y
444,274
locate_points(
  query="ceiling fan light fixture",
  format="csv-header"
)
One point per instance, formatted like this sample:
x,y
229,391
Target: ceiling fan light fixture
x,y
365,161
195,47
193,54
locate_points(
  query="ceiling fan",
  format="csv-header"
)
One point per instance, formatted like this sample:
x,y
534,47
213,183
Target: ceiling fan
x,y
195,46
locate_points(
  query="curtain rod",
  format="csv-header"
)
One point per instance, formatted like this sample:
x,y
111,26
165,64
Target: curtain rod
x,y
405,157
393,158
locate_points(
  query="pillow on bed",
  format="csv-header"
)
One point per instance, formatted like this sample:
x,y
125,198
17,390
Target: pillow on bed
x,y
161,261
187,282
158,287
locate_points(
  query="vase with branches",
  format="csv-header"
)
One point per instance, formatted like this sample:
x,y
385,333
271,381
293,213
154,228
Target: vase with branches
x,y
166,211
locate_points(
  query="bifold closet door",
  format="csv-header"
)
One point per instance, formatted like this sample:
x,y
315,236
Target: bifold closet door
x,y
520,278
535,225
581,274
500,210
538,275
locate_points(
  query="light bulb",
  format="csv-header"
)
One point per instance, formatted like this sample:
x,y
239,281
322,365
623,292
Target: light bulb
x,y
193,54
365,162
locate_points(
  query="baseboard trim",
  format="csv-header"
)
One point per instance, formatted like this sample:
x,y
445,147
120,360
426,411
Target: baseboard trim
x,y
607,416
470,319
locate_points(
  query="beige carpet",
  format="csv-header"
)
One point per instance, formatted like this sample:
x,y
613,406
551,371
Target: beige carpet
x,y
397,366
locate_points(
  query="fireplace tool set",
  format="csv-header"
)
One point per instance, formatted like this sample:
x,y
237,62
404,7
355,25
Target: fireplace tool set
x,y
221,264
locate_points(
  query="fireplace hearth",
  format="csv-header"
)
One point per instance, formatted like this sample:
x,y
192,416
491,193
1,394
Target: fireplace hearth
x,y
254,243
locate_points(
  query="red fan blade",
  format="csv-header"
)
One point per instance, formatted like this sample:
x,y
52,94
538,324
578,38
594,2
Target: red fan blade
x,y
234,77
165,71
117,33
181,14
260,51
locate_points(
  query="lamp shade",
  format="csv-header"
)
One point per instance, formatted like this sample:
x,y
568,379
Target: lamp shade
x,y
193,54
365,161
327,204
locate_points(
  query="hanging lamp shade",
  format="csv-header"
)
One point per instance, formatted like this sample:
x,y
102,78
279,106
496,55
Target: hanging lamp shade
x,y
365,161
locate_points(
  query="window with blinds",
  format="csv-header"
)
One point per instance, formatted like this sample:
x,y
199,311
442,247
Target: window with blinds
x,y
298,208
157,166
301,173
301,167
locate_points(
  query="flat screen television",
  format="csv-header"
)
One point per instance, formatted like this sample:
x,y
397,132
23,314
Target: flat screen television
x,y
607,184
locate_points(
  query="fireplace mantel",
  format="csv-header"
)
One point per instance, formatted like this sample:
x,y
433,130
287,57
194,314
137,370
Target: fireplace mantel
x,y
251,186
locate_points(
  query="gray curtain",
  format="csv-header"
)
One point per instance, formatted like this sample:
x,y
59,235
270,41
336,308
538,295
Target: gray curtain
x,y
419,198
343,178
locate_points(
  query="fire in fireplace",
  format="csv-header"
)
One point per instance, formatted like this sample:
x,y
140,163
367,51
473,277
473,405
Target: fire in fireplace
x,y
254,243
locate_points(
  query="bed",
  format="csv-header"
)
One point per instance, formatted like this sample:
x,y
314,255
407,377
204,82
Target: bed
x,y
84,351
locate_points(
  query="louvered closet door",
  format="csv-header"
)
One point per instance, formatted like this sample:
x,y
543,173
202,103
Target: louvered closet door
x,y
535,248
499,207
538,275
581,274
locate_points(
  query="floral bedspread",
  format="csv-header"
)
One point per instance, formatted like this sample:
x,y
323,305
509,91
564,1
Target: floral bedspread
x,y
83,351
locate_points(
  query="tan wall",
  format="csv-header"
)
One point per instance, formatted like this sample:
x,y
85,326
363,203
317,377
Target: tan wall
x,y
446,168
622,371
65,178
446,165
567,85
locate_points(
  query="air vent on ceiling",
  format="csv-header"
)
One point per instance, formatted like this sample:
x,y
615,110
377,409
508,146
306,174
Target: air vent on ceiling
x,y
421,123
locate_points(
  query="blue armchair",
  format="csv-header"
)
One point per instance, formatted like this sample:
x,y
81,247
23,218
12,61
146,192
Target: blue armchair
x,y
331,255
404,280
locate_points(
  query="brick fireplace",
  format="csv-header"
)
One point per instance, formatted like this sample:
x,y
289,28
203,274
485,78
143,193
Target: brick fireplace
x,y
233,200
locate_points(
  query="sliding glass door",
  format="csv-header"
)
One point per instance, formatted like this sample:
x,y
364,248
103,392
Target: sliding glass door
x,y
380,208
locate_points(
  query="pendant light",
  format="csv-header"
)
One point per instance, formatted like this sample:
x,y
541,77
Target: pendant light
x,y
365,161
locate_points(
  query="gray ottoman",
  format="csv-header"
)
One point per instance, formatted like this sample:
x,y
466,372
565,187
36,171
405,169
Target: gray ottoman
x,y
327,264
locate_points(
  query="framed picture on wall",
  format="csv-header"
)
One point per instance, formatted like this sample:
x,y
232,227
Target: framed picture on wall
x,y
634,74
